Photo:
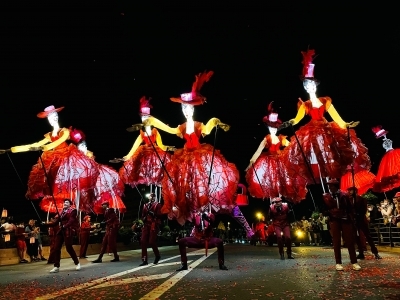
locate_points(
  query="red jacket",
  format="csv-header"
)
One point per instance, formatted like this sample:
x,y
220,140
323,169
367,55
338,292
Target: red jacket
x,y
111,219
339,206
279,216
69,221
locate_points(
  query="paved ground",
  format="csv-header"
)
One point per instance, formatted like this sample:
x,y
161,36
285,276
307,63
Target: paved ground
x,y
255,272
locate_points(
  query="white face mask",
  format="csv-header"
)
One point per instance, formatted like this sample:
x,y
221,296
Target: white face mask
x,y
187,110
83,147
53,118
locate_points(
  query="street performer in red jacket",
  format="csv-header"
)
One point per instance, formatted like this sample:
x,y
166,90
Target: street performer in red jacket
x,y
360,207
341,217
110,238
279,213
151,216
84,236
69,225
202,237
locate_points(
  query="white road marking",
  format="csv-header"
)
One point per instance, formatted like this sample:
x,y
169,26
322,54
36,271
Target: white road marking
x,y
131,280
161,289
169,264
96,281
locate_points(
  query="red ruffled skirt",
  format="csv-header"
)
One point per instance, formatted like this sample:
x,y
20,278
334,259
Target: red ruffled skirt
x,y
144,167
324,145
269,178
109,187
190,174
363,181
69,171
388,176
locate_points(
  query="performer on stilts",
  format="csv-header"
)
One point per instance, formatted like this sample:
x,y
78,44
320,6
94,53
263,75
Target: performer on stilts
x,y
325,144
267,175
62,170
109,186
388,175
142,164
191,185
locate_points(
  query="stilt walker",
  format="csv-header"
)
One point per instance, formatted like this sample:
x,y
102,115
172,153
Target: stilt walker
x,y
190,167
267,175
324,143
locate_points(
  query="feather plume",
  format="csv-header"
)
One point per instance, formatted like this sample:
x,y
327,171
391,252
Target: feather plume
x,y
201,78
270,108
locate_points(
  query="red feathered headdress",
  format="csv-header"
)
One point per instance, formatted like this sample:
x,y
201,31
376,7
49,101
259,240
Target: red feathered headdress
x,y
271,119
76,136
379,131
194,97
308,66
145,106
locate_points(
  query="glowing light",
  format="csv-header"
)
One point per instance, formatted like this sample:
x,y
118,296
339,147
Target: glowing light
x,y
4,213
147,196
259,215
299,233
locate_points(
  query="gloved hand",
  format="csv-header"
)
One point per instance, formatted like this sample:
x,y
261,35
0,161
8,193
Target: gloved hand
x,y
36,148
352,124
2,151
223,126
171,148
286,124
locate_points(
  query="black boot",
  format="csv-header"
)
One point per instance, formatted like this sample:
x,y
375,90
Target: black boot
x,y
377,256
360,256
97,261
183,268
144,263
282,256
157,259
222,267
116,258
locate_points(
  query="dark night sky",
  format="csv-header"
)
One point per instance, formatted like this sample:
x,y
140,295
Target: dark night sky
x,y
98,65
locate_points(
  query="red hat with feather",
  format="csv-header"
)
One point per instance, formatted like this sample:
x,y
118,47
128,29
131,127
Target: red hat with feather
x,y
76,136
271,119
145,106
194,97
379,131
48,110
308,66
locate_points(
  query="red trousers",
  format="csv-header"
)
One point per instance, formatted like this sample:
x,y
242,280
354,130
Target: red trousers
x,y
84,241
283,233
149,239
192,242
109,242
343,228
60,239
52,245
362,226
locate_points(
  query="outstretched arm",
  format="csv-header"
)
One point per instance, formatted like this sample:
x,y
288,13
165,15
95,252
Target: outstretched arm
x,y
136,145
257,153
301,112
62,139
161,145
206,129
25,148
160,125
338,120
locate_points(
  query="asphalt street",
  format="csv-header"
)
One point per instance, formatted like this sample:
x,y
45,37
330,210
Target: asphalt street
x,y
254,272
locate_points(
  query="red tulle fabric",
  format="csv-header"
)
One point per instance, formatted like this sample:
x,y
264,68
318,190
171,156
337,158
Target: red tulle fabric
x,y
388,175
69,171
323,144
363,181
269,178
144,167
190,173
109,187
115,202
47,204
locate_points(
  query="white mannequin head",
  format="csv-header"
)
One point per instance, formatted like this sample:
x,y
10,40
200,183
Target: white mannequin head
x,y
272,130
83,147
187,110
310,86
145,117
53,119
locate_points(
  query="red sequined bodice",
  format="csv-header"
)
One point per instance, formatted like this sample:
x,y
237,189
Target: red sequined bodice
x,y
317,114
146,138
192,139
